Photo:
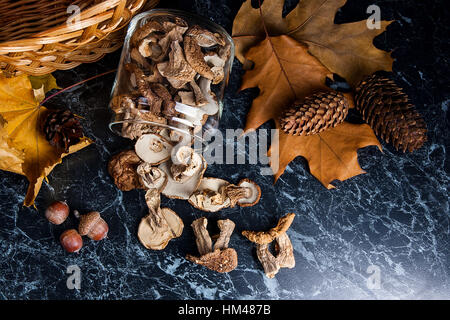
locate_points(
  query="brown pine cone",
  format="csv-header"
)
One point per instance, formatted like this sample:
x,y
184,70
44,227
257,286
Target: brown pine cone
x,y
62,129
387,109
318,112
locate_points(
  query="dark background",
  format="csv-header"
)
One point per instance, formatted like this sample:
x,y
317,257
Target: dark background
x,y
395,217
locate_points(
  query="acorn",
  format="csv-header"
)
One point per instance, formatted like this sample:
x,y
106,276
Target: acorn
x,y
92,225
57,212
71,240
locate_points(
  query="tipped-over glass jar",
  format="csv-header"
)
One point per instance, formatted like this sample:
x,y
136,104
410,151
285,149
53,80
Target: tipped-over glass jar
x,y
171,78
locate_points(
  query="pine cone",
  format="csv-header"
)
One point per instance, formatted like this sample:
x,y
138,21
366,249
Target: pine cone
x,y
386,108
62,129
320,111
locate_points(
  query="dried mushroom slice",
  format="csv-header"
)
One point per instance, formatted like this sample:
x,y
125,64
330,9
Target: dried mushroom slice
x,y
202,238
172,135
226,229
200,99
174,32
217,65
136,123
284,256
149,48
153,199
153,101
268,261
195,57
152,177
285,251
253,195
160,225
265,237
187,164
177,190
212,107
204,37
208,197
154,231
122,103
177,68
153,148
174,221
122,168
150,27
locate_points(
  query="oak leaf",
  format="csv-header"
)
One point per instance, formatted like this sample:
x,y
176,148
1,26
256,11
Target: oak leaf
x,y
284,71
21,135
346,49
331,154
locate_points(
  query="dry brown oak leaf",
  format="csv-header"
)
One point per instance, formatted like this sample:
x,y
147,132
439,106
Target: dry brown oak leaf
x,y
346,49
284,71
21,136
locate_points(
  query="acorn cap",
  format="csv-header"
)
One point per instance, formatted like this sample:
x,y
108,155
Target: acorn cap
x,y
87,221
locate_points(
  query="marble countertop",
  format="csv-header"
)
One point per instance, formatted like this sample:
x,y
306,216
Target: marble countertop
x,y
394,220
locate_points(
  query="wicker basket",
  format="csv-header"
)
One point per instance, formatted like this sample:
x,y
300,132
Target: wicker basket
x,y
40,36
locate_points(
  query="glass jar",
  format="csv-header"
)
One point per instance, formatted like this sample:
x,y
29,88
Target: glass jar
x,y
171,78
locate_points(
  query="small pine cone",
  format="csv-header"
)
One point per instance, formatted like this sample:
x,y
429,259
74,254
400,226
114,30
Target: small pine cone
x,y
387,109
62,129
318,112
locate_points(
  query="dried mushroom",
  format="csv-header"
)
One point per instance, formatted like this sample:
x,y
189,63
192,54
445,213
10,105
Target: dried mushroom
x,y
202,238
214,194
221,259
153,148
217,65
150,27
160,225
122,103
122,168
284,252
246,194
194,40
174,32
207,197
140,122
284,256
212,106
265,237
226,230
205,38
195,57
253,193
177,71
183,188
187,164
152,177
152,99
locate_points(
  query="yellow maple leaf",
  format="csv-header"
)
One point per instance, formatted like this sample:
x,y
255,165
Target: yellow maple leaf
x,y
22,131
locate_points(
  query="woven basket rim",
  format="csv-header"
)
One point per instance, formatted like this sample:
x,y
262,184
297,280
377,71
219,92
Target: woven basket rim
x,y
96,14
